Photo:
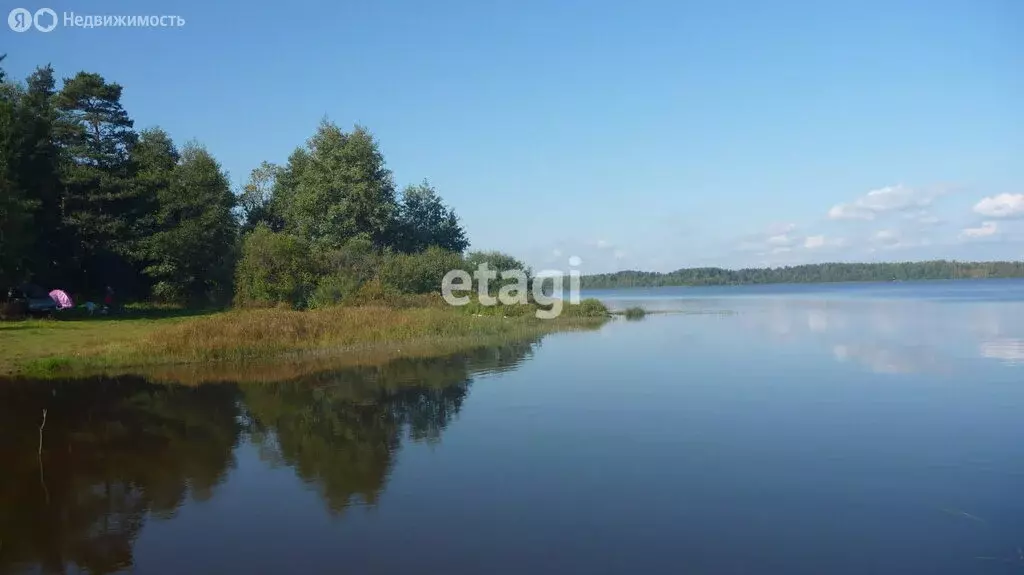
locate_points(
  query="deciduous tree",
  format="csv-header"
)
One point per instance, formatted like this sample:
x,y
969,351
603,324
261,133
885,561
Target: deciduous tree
x,y
342,190
194,246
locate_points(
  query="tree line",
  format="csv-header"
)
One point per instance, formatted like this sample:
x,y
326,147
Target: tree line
x,y
810,273
87,201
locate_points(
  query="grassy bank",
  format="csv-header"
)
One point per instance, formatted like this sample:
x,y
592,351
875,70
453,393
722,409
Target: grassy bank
x,y
218,340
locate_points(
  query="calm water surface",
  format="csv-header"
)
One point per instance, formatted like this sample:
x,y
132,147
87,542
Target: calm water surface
x,y
854,429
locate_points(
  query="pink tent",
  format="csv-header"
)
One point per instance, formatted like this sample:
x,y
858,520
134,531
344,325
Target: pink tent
x,y
62,299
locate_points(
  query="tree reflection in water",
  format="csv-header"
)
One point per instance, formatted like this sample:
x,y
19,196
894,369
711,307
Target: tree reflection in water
x,y
340,431
120,451
114,452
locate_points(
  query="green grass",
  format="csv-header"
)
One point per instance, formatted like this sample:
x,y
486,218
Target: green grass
x,y
162,338
40,342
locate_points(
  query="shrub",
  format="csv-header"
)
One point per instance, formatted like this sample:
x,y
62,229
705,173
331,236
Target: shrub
x,y
275,268
496,261
373,292
635,313
356,259
589,307
166,291
417,273
334,289
499,262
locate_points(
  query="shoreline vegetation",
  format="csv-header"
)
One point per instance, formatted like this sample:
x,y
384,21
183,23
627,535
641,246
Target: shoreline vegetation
x,y
229,344
810,273
322,255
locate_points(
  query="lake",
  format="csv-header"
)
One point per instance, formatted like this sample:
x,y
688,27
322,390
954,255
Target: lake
x,y
859,428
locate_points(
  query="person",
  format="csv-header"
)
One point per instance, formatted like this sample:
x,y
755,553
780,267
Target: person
x,y
108,300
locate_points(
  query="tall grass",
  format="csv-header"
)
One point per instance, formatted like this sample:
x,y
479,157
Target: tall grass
x,y
301,364
245,335
258,333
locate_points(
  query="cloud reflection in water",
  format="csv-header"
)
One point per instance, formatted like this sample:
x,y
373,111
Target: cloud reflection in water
x,y
896,336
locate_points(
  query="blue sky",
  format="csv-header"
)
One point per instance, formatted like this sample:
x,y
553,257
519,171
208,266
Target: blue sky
x,y
642,135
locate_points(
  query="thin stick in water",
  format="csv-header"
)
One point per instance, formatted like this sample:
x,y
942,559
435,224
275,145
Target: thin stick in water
x,y
42,479
41,426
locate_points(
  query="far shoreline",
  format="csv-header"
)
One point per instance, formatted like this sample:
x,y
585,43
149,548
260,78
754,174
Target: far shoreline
x,y
821,273
587,291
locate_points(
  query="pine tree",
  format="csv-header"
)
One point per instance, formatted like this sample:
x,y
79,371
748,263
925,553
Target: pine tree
x,y
38,174
424,220
102,207
16,234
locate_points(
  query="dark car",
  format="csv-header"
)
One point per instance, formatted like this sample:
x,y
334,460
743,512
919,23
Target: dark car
x,y
35,299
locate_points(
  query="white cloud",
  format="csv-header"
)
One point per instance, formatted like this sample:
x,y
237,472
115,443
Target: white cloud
x,y
893,198
1001,206
780,229
923,217
781,240
812,242
894,239
619,254
882,200
850,212
777,235
984,230
886,237
815,242
556,252
602,244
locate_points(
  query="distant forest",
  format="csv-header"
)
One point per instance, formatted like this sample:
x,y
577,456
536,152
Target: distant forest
x,y
812,273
